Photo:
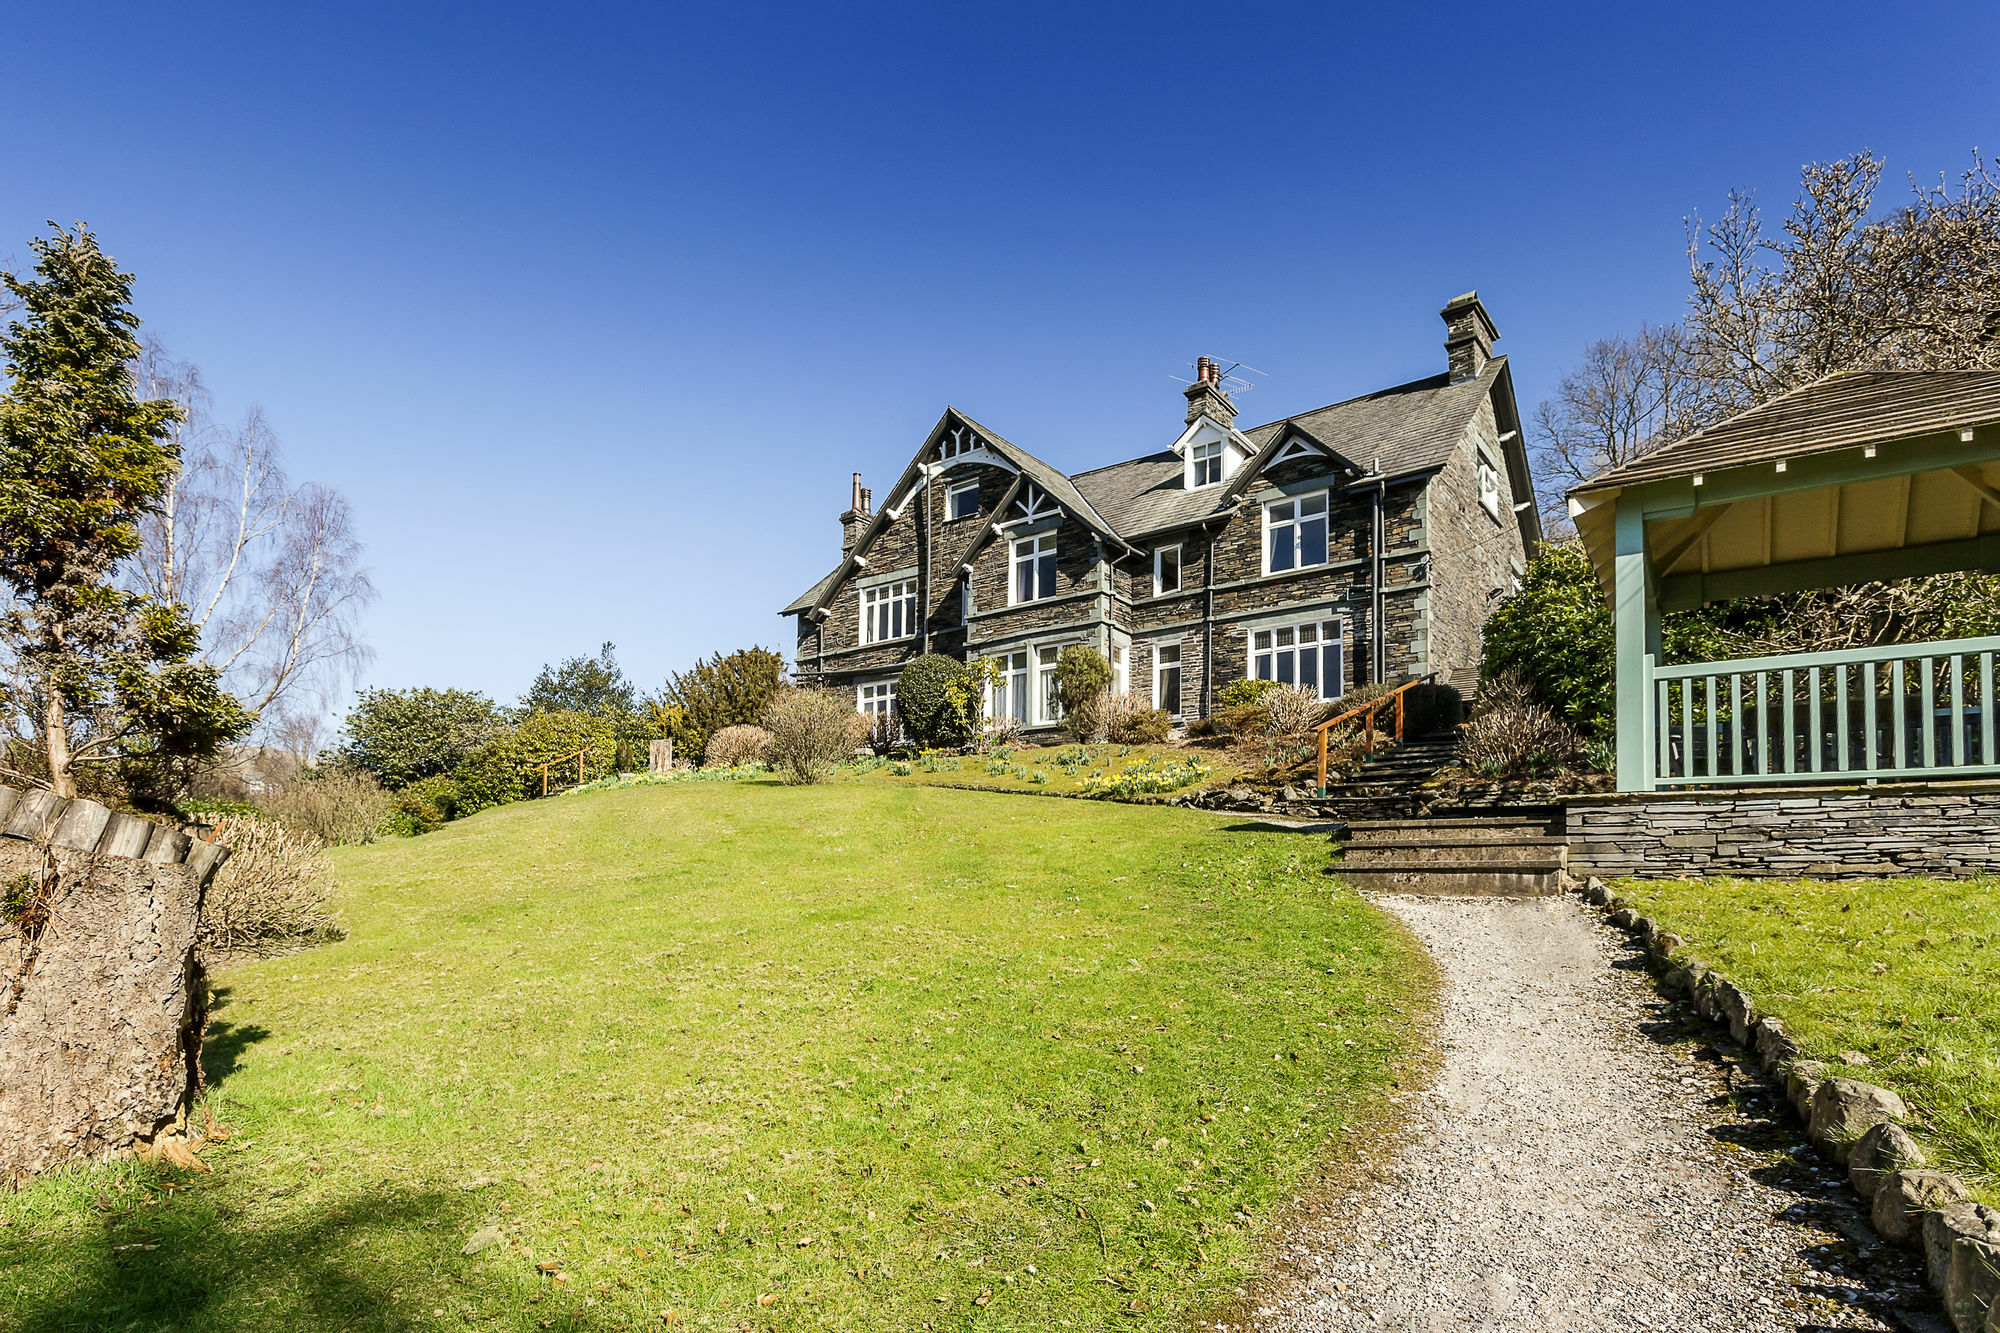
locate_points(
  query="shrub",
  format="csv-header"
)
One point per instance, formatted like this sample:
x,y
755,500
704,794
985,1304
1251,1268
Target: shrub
x,y
424,806
812,733
1512,735
1127,721
721,692
1241,720
1239,692
739,744
1293,711
555,738
491,775
937,697
403,735
337,806
1082,678
272,891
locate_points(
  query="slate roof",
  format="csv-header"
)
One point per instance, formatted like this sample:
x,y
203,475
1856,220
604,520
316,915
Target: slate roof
x,y
1841,411
1410,428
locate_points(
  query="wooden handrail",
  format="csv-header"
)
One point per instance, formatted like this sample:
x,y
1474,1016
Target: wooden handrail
x,y
1366,712
563,759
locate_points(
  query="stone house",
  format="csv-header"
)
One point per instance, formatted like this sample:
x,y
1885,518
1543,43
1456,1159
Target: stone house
x,y
1364,541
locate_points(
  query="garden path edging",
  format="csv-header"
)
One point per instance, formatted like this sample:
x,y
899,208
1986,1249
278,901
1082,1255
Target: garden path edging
x,y
1852,1123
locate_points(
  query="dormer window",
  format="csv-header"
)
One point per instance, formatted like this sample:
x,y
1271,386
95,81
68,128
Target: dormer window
x,y
1207,463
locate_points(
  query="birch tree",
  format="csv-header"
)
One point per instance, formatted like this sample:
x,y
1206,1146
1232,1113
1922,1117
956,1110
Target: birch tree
x,y
270,571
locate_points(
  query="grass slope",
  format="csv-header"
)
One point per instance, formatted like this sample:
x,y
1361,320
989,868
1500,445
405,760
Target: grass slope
x,y
1901,970
858,1057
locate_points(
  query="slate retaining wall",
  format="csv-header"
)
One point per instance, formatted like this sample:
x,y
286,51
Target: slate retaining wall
x,y
1817,832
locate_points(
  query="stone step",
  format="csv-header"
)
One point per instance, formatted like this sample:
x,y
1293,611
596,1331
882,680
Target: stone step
x,y
1522,851
1456,879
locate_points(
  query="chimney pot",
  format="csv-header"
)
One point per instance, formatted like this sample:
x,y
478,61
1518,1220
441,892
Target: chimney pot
x,y
856,517
1206,396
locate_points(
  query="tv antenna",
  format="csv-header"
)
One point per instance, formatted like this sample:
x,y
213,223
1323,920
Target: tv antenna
x,y
1231,382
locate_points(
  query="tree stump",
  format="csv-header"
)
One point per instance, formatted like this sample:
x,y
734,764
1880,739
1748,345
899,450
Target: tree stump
x,y
101,990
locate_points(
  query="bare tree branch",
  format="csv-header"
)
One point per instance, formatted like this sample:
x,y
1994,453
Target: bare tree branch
x,y
271,572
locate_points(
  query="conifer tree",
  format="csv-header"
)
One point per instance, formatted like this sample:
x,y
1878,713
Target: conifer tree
x,y
102,675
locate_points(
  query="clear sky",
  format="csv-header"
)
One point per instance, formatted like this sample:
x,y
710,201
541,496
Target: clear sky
x,y
591,311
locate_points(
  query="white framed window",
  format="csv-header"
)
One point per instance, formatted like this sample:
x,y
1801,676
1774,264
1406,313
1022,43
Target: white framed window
x,y
1166,570
1295,532
1047,707
1308,655
889,611
1008,695
1489,485
962,500
1034,568
1206,460
1167,677
877,699
1121,682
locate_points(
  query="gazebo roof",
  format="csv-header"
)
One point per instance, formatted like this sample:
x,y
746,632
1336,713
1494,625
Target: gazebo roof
x,y
1840,411
1859,476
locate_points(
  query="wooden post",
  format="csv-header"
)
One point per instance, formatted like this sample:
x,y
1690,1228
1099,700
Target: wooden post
x,y
1635,618
545,779
579,768
1322,761
1399,717
1368,732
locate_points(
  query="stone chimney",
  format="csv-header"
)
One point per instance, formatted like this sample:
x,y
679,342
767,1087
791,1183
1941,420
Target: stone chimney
x,y
1468,336
859,511
1205,395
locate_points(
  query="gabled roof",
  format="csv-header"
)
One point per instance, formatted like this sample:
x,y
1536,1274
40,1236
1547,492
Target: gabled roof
x,y
1840,411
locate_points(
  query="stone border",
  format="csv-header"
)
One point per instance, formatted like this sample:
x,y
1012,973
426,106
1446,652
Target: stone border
x,y
85,826
1853,1123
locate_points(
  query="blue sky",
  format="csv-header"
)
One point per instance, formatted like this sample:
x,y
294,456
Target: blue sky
x,y
590,311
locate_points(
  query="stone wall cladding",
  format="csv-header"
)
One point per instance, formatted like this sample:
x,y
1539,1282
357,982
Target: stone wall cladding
x,y
1482,554
1794,832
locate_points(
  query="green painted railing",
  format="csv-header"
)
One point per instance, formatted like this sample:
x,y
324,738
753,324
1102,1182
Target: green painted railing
x,y
1904,711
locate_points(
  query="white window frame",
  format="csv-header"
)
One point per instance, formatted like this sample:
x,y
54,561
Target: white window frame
x,y
1121,662
1160,588
894,601
1487,478
951,497
1296,523
1047,657
1327,632
1030,551
1205,462
1159,666
1007,695
876,697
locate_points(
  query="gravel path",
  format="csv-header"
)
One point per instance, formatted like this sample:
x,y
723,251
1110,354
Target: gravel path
x,y
1584,1159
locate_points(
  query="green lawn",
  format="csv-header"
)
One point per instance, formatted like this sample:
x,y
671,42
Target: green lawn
x,y
1048,769
845,1057
1900,970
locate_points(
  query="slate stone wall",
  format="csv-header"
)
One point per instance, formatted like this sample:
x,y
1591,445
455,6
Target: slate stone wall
x,y
1777,833
1482,553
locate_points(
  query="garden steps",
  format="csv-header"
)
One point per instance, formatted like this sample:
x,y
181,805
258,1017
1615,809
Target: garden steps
x,y
1386,787
1518,854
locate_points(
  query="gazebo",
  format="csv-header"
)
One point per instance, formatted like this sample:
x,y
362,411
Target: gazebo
x,y
1857,477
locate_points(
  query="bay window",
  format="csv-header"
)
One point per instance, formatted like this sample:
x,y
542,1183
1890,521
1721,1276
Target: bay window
x,y
1295,532
889,611
1307,655
1034,568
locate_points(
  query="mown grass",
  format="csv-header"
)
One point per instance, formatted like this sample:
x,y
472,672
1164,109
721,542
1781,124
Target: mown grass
x,y
1900,970
860,1057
